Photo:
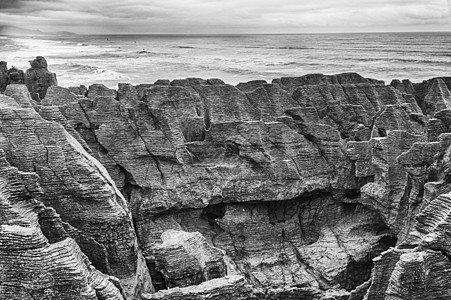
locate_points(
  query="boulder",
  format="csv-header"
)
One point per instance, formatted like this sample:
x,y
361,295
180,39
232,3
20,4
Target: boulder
x,y
185,258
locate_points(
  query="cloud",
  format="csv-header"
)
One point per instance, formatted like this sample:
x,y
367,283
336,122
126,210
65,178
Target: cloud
x,y
8,4
225,16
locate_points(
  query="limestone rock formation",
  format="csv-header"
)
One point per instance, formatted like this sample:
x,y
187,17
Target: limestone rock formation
x,y
39,260
9,76
16,76
262,171
315,187
3,76
233,287
185,259
38,78
76,186
431,95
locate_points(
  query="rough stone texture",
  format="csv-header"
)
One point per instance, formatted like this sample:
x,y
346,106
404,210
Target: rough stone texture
x,y
431,95
37,263
99,90
38,78
3,75
77,187
233,287
16,76
262,170
79,90
9,76
186,259
315,187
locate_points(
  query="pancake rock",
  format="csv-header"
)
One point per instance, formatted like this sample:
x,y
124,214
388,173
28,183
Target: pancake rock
x,y
16,76
186,259
270,173
431,95
314,187
3,76
38,78
10,76
38,259
76,186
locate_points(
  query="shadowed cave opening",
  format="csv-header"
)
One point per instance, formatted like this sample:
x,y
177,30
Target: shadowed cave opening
x,y
213,212
282,211
358,272
314,210
382,132
158,281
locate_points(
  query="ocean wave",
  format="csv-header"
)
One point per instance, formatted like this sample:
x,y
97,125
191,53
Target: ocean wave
x,y
279,48
290,63
90,72
145,53
80,68
398,60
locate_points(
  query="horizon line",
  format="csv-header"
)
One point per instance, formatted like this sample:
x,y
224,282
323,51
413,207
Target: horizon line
x,y
68,33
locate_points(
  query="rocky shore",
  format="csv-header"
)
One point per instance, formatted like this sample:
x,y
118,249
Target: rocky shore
x,y
312,187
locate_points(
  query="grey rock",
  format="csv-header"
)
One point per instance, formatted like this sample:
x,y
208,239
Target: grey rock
x,y
38,78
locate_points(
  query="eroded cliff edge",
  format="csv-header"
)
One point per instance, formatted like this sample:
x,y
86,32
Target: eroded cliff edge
x,y
295,189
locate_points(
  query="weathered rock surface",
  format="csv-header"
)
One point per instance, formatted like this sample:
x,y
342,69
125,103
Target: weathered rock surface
x,y
3,76
16,76
431,95
9,76
315,187
38,78
263,171
76,186
185,258
39,260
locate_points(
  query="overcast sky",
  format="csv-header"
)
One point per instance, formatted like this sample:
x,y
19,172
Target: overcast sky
x,y
227,16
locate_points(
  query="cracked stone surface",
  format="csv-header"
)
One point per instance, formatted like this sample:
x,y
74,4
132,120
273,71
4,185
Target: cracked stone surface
x,y
315,187
77,186
38,78
37,263
261,170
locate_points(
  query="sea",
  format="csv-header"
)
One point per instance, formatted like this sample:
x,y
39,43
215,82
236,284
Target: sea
x,y
136,59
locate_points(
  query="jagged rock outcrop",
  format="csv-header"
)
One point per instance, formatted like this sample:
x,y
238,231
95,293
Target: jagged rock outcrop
x,y
431,95
3,76
233,287
252,167
185,259
16,76
76,186
38,78
315,187
39,260
9,76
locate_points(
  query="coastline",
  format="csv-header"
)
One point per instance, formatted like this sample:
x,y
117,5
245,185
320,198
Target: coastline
x,y
304,187
115,59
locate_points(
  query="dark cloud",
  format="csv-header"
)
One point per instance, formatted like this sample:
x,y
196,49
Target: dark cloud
x,y
8,4
225,16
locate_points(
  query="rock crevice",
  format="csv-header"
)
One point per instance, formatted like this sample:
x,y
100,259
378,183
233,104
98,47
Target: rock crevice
x,y
314,187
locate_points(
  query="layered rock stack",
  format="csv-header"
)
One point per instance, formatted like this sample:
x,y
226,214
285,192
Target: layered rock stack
x,y
3,76
38,78
10,76
314,187
94,213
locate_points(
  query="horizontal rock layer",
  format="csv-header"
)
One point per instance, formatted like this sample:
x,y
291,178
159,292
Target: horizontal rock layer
x,y
291,189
